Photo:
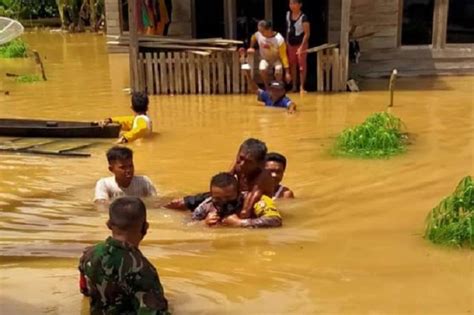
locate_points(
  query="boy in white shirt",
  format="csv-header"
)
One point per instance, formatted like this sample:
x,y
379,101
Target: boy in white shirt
x,y
124,182
273,53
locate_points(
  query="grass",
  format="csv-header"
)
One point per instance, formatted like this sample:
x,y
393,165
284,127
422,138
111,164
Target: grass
x,y
15,49
28,78
379,136
452,221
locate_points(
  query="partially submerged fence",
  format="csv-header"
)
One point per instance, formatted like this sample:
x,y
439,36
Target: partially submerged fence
x,y
212,66
185,72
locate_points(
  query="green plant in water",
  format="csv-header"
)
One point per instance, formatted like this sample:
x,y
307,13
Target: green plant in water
x,y
15,49
28,78
452,221
380,135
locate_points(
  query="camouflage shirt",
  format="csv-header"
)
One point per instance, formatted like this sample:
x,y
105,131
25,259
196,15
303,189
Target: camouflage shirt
x,y
120,280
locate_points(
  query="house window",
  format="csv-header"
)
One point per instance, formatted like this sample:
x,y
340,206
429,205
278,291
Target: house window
x,y
460,22
417,26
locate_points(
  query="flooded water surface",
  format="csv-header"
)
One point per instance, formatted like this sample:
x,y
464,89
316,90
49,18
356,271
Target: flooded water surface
x,y
351,242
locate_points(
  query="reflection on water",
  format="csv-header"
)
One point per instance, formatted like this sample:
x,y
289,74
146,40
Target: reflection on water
x,y
351,241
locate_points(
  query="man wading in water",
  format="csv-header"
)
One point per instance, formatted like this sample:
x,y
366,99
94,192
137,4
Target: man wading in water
x,y
254,180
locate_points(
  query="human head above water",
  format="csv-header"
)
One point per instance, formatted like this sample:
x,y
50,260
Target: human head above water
x,y
266,28
251,156
277,90
224,188
121,164
127,215
140,102
275,163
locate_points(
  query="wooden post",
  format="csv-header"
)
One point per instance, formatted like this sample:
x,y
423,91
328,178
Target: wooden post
x,y
269,10
149,74
178,73
135,69
328,69
192,72
393,80
440,23
344,42
235,73
319,71
335,70
39,62
171,72
163,73
220,74
156,70
199,67
228,72
230,18
207,75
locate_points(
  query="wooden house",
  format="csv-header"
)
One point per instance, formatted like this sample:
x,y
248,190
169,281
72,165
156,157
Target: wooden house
x,y
418,37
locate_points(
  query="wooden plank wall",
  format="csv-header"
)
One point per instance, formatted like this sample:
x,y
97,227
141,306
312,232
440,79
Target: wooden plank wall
x,y
379,16
382,52
188,73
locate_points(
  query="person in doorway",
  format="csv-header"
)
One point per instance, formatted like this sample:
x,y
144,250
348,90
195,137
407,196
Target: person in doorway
x,y
124,182
275,163
297,37
114,274
225,202
274,96
137,126
272,48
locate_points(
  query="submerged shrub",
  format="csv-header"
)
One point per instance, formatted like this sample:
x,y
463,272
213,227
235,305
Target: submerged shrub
x,y
380,135
28,78
15,49
452,221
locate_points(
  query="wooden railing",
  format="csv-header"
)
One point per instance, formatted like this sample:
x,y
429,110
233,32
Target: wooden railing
x,y
329,68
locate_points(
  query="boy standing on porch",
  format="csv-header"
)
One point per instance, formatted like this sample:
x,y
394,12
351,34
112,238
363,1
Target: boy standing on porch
x,y
273,54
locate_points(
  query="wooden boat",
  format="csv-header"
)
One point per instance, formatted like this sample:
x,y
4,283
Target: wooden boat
x,y
56,129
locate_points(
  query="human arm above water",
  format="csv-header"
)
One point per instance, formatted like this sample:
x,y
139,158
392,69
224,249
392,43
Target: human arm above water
x,y
266,216
252,85
101,195
307,33
264,185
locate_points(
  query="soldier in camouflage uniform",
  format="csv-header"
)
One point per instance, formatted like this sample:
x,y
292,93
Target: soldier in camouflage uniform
x,y
115,274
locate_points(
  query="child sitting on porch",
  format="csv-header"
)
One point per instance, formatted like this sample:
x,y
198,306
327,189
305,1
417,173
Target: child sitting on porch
x,y
137,126
275,96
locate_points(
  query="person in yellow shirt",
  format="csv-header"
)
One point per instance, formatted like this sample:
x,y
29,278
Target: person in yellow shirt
x,y
273,55
136,126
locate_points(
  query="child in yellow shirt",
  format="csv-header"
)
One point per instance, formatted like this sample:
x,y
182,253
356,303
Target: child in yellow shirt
x,y
136,126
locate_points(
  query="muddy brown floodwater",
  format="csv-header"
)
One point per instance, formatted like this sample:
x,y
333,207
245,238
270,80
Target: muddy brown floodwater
x,y
351,242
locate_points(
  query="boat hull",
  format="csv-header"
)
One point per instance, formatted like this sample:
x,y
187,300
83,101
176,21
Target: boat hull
x,y
56,129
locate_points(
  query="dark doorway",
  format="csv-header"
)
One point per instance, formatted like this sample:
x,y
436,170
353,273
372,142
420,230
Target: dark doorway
x,y
461,22
317,12
209,18
417,27
249,12
124,15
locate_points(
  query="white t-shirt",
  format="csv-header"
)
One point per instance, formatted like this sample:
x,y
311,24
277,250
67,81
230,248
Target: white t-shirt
x,y
140,186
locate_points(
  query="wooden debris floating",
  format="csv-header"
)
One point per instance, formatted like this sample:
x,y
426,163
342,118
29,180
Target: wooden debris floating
x,y
45,147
